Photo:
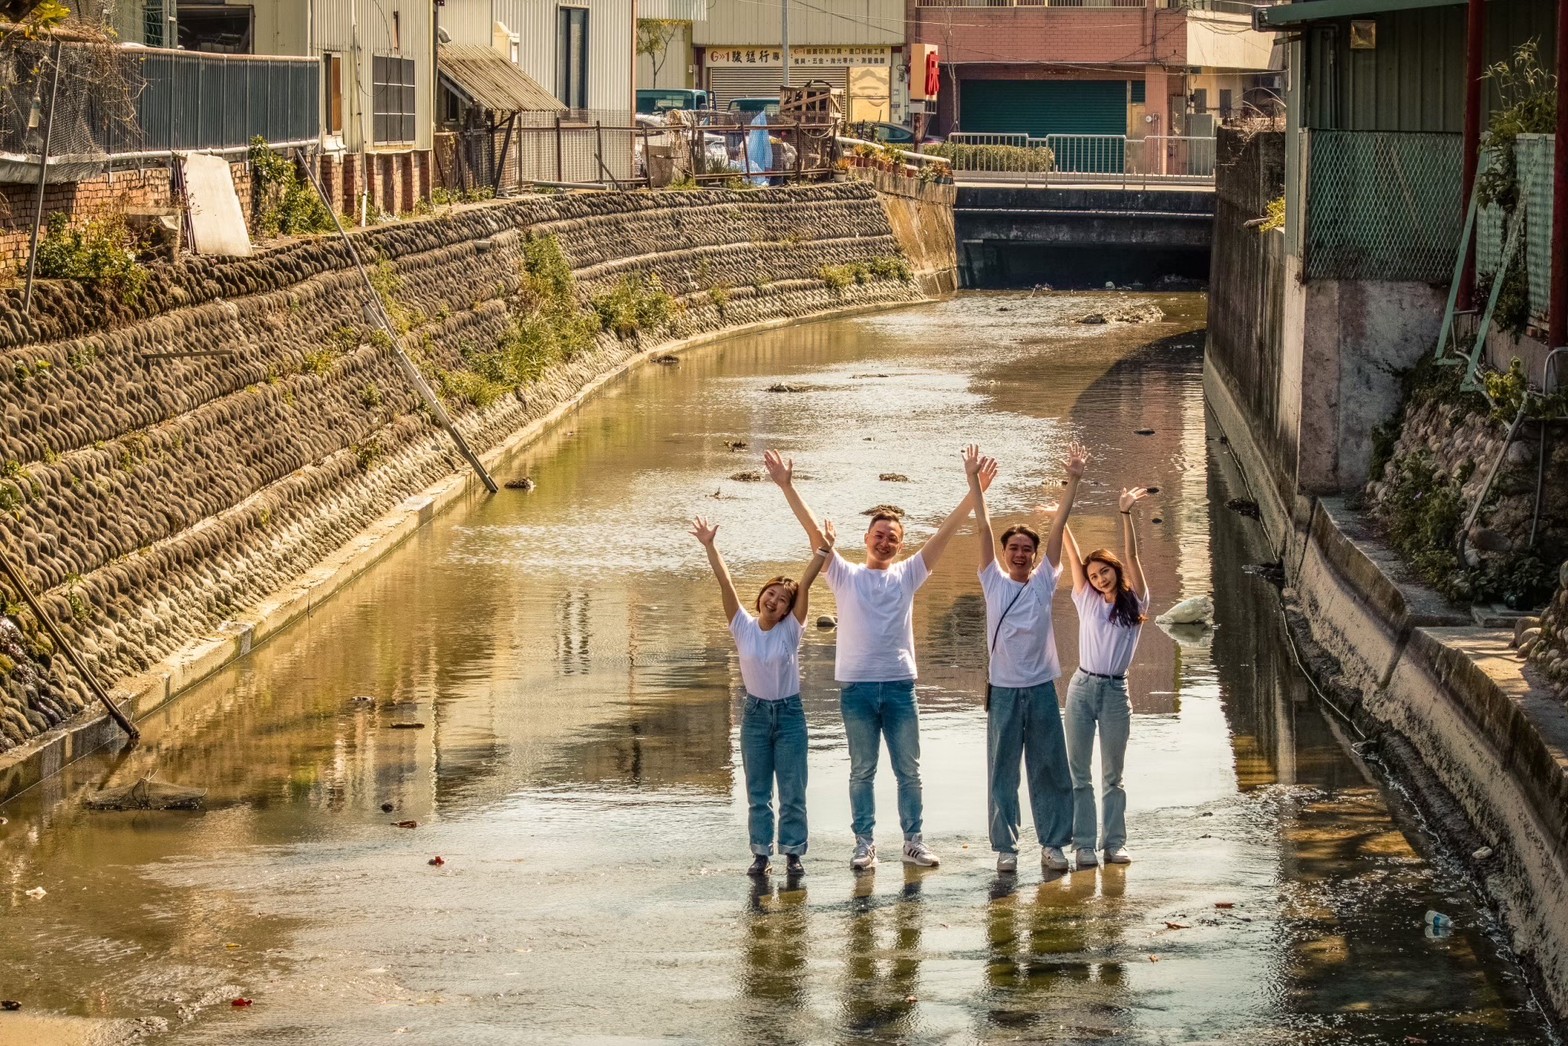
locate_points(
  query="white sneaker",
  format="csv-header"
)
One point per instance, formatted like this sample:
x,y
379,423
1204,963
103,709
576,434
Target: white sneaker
x,y
1007,863
1052,859
1087,857
865,855
917,852
1118,856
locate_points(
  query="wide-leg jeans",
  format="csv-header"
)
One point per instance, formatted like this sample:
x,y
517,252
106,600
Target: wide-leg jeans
x,y
1025,724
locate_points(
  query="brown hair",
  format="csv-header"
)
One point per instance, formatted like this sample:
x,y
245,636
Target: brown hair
x,y
877,517
1125,610
1021,528
789,584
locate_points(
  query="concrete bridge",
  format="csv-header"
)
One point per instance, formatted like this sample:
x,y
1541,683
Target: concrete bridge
x,y
1011,236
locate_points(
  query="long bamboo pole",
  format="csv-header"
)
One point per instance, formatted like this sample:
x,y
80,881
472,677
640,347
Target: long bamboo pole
x,y
15,574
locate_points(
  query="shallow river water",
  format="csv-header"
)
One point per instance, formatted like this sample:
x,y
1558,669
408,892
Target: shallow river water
x,y
579,771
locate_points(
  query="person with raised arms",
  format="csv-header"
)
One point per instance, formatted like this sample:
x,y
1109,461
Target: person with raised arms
x,y
1023,720
1112,598
875,661
773,724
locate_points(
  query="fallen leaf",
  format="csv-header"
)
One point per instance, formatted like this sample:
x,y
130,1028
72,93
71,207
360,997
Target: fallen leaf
x,y
10,1004
437,860
230,945
1154,958
408,726
1224,904
240,1002
1175,926
405,824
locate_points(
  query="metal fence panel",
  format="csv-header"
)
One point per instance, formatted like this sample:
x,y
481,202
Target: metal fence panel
x,y
1488,228
1535,154
1382,205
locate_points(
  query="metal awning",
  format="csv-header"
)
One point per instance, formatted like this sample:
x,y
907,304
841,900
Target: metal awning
x,y
493,83
1289,16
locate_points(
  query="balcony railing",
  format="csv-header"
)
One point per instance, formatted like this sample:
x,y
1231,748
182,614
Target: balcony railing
x,y
1032,3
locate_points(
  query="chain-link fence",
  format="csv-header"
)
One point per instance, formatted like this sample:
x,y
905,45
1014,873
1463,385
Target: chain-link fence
x,y
1382,205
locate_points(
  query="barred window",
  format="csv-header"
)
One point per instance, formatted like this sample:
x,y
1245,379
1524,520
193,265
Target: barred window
x,y
393,98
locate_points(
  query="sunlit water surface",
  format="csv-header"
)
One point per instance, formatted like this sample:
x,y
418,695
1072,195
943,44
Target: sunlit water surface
x,y
578,768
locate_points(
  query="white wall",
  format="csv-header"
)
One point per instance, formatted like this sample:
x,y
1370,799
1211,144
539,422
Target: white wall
x,y
824,22
1226,41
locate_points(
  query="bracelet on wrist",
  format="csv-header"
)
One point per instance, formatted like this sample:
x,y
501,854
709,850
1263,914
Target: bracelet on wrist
x,y
825,551
1126,511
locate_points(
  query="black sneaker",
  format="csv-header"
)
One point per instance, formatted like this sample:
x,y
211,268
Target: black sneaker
x,y
792,865
759,865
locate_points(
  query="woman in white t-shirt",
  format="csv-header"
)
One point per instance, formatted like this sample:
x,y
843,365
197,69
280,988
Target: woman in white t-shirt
x,y
1023,720
1112,600
773,725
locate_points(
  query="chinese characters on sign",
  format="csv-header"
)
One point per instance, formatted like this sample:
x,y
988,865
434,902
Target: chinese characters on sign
x,y
800,57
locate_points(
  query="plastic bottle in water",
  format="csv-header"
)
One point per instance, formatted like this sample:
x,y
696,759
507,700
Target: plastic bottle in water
x,y
1438,924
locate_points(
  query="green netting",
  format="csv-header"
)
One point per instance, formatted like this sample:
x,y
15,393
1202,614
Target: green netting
x,y
1535,190
1382,206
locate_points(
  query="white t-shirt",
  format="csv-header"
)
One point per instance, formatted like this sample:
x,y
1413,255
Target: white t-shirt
x,y
1104,647
876,619
1024,654
769,661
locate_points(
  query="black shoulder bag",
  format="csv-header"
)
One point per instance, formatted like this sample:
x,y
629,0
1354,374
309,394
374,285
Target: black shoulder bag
x,y
986,704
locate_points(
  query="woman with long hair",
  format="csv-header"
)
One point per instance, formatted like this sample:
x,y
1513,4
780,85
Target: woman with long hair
x,y
773,725
1023,720
1112,598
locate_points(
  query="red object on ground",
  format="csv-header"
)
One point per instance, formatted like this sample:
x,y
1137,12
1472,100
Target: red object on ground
x,y
438,860
240,1002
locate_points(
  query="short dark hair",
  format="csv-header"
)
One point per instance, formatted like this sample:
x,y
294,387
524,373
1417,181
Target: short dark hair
x,y
877,517
1021,528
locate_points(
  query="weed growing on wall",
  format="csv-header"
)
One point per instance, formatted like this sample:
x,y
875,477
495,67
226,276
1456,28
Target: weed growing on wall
x,y
284,202
888,267
1014,158
98,250
637,303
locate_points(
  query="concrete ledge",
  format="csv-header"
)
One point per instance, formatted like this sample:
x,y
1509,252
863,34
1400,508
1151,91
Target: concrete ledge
x,y
1489,752
27,764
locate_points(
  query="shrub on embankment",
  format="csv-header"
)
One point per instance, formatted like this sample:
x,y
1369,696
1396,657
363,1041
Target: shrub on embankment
x,y
153,496
1430,468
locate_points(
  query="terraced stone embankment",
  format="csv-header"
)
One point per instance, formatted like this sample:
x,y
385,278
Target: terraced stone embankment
x,y
154,496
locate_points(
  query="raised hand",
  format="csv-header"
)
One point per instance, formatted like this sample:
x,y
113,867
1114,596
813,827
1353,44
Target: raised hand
x,y
988,469
1077,459
781,470
829,534
972,460
704,531
1131,497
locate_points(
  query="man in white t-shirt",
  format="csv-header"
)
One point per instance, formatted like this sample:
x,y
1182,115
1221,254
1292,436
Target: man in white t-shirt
x,y
875,661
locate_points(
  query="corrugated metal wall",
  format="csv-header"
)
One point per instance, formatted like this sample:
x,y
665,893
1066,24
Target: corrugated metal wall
x,y
468,21
1413,80
834,22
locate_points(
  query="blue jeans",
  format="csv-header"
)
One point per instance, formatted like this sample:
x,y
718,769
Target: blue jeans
x,y
873,711
773,745
1095,701
1024,723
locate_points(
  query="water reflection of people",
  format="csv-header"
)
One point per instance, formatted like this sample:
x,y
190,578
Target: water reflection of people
x,y
774,984
1047,943
773,727
1112,598
1023,721
874,659
880,995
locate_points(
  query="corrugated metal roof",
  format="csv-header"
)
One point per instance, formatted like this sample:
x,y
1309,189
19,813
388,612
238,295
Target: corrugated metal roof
x,y
493,82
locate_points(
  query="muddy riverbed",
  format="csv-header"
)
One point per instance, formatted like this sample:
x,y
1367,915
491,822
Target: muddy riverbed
x,y
578,769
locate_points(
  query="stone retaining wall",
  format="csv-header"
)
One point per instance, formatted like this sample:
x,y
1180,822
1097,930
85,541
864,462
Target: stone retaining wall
x,y
152,499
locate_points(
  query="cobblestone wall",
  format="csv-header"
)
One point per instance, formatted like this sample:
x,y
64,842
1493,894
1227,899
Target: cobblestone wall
x,y
151,498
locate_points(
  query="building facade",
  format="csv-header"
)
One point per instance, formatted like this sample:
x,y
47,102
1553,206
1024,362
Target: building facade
x,y
854,45
1096,67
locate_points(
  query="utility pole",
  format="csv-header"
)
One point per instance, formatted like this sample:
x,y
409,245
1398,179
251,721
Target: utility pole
x,y
784,39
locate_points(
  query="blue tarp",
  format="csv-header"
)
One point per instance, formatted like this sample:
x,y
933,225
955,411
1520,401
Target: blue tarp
x,y
759,150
